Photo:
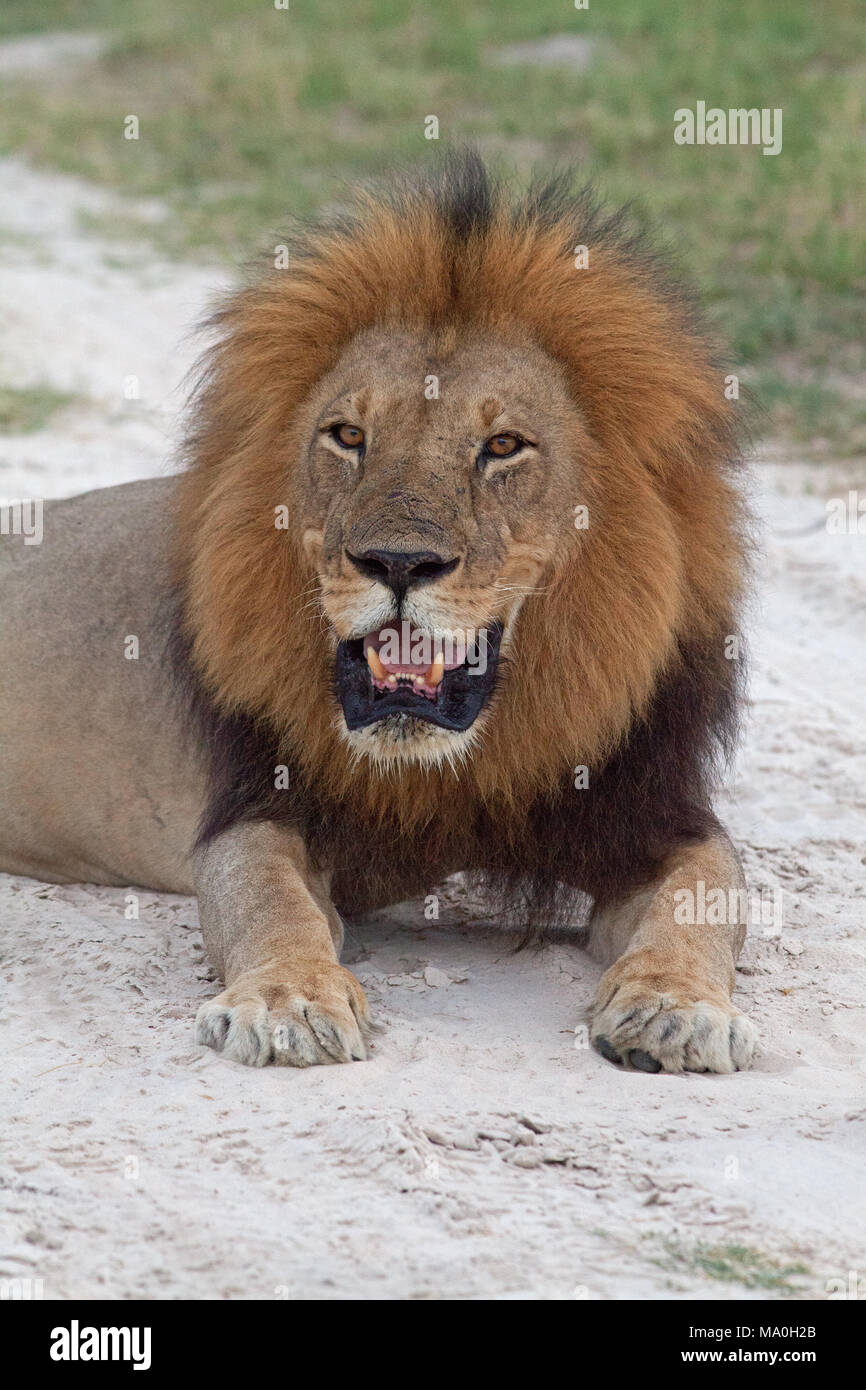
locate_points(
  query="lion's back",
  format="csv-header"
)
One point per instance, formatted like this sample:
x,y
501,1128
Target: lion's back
x,y
86,720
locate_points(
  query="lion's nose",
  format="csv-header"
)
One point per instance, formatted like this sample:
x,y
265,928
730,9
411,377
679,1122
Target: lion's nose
x,y
401,569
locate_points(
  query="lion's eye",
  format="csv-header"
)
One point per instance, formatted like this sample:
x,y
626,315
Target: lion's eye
x,y
501,445
349,436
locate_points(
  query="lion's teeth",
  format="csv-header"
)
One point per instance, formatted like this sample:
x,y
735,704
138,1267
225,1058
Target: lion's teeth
x,y
437,670
375,664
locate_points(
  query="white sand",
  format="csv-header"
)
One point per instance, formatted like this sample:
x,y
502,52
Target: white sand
x,y
479,1153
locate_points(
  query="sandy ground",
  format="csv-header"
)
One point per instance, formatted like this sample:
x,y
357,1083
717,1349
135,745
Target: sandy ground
x,y
483,1151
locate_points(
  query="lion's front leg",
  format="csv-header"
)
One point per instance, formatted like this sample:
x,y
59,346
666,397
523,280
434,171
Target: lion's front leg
x,y
270,928
665,1002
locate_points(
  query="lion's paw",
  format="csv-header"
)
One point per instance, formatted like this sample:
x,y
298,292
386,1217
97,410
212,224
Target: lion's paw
x,y
305,1014
664,1024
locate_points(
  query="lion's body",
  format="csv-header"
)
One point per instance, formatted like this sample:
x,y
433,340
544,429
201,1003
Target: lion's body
x,y
434,417
97,780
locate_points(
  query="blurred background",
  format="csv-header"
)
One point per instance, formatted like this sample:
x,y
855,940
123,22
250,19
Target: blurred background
x,y
251,114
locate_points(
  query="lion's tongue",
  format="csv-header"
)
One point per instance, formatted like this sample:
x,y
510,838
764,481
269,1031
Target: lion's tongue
x,y
415,668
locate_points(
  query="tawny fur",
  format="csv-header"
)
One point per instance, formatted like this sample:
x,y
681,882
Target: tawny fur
x,y
660,565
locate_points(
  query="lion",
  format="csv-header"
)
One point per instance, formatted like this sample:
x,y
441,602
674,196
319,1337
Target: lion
x,y
446,586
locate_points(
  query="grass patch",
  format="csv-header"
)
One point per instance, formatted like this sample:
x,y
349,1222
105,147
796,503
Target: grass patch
x,y
811,411
734,1264
23,409
250,114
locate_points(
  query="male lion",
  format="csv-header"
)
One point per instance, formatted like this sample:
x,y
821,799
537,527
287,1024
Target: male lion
x,y
446,587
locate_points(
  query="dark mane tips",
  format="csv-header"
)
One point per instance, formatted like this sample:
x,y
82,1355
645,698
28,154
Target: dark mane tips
x,y
464,195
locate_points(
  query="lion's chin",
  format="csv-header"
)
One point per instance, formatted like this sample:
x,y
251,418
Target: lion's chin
x,y
400,740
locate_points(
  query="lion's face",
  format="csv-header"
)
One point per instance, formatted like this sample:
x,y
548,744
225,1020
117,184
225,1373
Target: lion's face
x,y
441,477
425,395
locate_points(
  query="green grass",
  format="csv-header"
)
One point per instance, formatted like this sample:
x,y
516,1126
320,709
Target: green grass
x,y
734,1264
25,409
250,114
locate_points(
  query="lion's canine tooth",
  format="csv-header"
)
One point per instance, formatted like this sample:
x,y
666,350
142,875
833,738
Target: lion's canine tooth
x,y
437,670
375,664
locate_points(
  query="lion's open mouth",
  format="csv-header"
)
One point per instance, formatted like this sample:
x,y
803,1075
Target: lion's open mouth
x,y
398,670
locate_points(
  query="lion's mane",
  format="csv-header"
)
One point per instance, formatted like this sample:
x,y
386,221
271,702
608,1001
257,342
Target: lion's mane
x,y
630,637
